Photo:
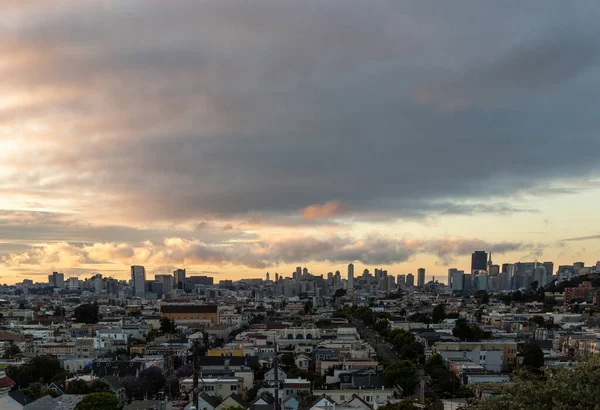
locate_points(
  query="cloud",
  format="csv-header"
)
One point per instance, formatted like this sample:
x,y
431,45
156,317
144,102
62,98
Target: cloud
x,y
370,250
581,238
327,210
219,110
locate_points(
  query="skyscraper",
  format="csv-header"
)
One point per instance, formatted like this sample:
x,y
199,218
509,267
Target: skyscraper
x,y
401,281
298,273
179,275
421,277
479,261
410,280
350,276
267,276
451,272
166,280
138,280
57,279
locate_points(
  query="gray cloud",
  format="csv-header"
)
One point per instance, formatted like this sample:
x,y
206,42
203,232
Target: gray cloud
x,y
226,108
581,238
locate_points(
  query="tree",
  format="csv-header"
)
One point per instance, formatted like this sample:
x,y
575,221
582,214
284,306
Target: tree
x,y
99,401
533,357
569,387
133,387
403,373
37,390
99,386
87,313
152,380
167,326
485,299
538,320
59,311
286,360
462,330
435,361
12,351
78,387
439,313
186,370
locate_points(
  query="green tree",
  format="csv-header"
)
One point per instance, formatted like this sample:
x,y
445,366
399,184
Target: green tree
x,y
37,390
538,320
439,313
403,373
12,351
78,387
167,326
462,330
533,357
99,401
99,386
87,313
570,387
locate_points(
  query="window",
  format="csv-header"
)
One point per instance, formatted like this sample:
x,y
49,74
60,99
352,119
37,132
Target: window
x,y
367,398
209,388
233,387
342,397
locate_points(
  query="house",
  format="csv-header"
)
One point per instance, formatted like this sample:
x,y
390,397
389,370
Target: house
x,y
205,402
357,403
323,403
303,361
216,387
263,402
270,375
290,403
231,402
115,387
295,386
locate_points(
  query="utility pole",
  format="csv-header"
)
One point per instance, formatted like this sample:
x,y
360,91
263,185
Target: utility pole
x,y
276,367
195,352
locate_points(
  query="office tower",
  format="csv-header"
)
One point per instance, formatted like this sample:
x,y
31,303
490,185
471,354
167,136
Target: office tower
x,y
420,277
401,280
350,276
179,275
366,273
305,272
479,261
467,281
410,280
549,269
577,266
505,267
268,276
540,276
330,278
451,272
57,279
298,273
493,270
73,283
138,280
481,281
276,277
166,280
458,279
337,278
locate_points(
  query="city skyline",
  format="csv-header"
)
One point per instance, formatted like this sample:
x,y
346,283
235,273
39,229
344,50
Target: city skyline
x,y
229,139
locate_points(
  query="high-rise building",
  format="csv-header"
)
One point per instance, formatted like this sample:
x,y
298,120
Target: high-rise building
x,y
276,277
268,277
479,261
410,280
458,279
179,275
577,266
330,278
57,279
549,269
350,276
401,281
298,273
420,277
451,272
337,277
305,272
166,280
138,281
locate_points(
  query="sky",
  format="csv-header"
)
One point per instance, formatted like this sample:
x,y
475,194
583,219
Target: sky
x,y
235,138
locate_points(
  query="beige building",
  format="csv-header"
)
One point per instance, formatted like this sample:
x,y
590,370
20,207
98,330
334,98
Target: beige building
x,y
508,348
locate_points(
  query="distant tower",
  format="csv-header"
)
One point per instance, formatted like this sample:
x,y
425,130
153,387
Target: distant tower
x,y
421,278
138,280
298,273
350,277
276,277
268,276
490,263
478,261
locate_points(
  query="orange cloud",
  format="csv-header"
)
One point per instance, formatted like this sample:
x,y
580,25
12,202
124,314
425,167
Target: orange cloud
x,y
327,210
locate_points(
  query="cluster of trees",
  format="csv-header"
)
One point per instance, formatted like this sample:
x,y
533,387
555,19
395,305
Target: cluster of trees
x,y
87,313
149,382
402,373
81,387
99,401
444,382
43,369
576,387
406,345
466,332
